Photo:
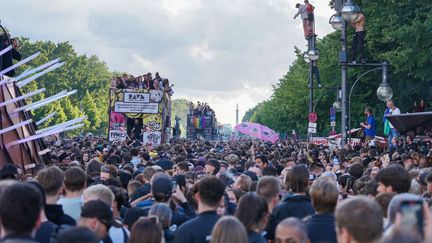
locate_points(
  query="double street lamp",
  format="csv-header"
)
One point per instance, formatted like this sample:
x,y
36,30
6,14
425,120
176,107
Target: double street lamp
x,y
348,12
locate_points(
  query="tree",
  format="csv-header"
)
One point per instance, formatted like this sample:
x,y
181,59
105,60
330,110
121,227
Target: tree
x,y
88,75
90,109
180,109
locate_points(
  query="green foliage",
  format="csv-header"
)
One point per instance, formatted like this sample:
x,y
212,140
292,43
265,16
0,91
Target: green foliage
x,y
88,75
397,31
180,109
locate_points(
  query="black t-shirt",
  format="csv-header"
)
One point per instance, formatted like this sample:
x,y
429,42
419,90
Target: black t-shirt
x,y
197,230
45,231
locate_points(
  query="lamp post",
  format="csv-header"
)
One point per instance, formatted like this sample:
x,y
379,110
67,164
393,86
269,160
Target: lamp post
x,y
324,94
384,91
337,104
310,57
348,12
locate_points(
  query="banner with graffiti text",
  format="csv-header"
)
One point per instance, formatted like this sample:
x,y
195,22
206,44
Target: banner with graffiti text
x,y
117,127
147,106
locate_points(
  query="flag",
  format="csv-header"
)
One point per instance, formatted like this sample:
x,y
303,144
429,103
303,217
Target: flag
x,y
386,128
197,122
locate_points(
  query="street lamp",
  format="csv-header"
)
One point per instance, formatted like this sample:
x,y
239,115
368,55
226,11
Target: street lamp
x,y
337,104
384,91
306,57
313,54
350,11
336,21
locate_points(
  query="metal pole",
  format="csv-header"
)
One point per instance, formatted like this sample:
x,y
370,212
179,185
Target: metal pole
x,y
321,96
310,87
385,67
351,90
343,59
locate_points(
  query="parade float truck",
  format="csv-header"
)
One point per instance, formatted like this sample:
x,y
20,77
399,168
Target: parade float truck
x,y
148,109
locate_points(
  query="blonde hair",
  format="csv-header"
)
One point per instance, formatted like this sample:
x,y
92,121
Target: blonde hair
x,y
133,186
99,191
229,229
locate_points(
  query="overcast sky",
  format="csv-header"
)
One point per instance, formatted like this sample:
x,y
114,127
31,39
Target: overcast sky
x,y
223,52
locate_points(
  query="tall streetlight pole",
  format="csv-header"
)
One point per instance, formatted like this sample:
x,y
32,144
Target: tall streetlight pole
x,y
347,11
311,56
343,59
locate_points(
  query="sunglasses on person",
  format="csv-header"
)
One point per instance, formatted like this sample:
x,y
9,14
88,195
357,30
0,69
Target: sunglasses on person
x,y
104,222
153,218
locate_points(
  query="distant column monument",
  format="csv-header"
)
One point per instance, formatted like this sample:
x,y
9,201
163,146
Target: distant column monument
x,y
237,115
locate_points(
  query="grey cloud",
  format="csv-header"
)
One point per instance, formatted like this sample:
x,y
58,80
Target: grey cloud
x,y
242,41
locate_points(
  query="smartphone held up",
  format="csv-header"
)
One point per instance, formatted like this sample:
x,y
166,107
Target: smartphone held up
x,y
412,215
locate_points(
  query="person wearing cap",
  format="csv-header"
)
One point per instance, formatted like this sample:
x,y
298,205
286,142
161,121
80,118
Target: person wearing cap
x,y
103,193
164,162
97,216
163,190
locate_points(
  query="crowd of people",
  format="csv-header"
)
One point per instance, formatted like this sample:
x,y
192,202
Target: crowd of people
x,y
146,81
200,109
219,191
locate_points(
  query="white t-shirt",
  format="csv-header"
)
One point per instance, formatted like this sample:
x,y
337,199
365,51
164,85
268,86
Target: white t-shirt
x,y
71,206
396,111
117,234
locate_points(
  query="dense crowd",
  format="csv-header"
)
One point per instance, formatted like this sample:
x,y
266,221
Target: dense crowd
x,y
200,109
145,81
213,191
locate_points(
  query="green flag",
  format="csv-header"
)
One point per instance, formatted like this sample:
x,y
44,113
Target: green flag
x,y
386,128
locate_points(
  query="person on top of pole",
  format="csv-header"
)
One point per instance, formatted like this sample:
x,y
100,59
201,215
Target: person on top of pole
x,y
304,14
358,39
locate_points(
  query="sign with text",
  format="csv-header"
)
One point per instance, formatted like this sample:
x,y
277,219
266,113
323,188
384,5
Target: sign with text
x,y
117,127
146,106
319,141
136,97
332,114
312,127
153,138
131,107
